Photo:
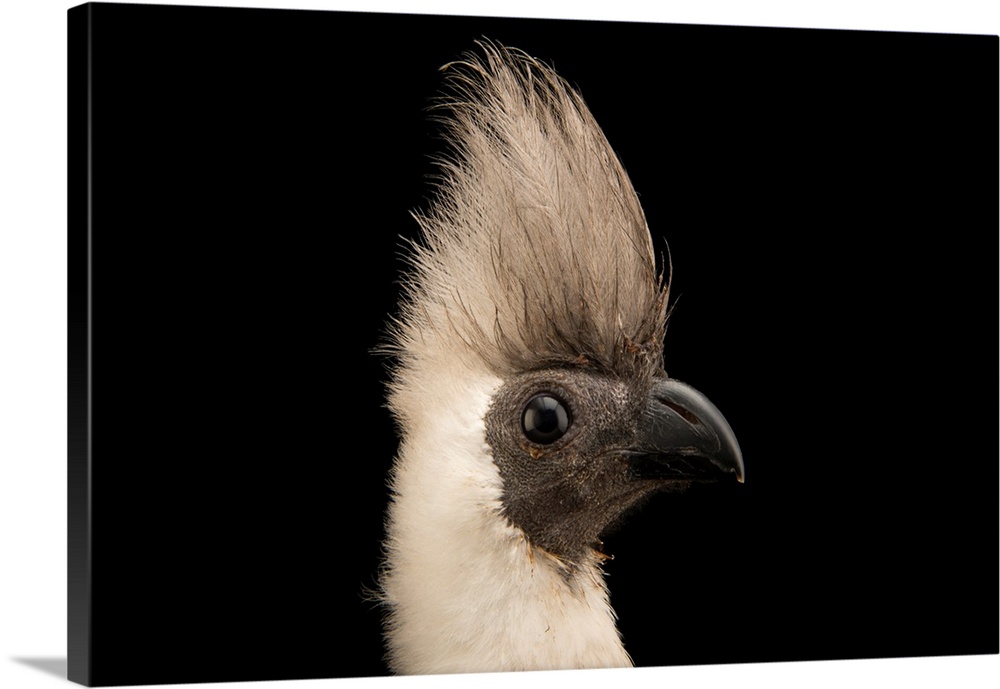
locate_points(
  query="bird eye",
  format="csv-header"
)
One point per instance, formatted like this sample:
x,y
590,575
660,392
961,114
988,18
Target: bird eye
x,y
545,419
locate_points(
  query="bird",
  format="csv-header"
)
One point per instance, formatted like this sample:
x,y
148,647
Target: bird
x,y
527,384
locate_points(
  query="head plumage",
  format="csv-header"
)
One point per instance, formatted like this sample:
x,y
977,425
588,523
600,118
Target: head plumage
x,y
534,251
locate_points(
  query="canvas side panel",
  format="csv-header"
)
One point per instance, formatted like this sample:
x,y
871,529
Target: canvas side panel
x,y
79,213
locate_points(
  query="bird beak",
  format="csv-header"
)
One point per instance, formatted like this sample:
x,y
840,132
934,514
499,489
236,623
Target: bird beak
x,y
683,437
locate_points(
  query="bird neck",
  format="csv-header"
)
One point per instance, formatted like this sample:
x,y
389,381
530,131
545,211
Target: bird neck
x,y
465,589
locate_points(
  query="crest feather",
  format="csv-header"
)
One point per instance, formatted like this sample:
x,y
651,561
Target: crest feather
x,y
535,251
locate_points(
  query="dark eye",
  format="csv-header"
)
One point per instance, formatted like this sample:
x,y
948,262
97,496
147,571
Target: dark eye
x,y
545,419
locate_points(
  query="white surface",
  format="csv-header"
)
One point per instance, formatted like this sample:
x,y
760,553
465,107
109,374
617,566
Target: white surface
x,y
33,333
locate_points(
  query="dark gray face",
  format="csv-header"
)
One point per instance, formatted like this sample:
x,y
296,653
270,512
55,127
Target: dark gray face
x,y
575,449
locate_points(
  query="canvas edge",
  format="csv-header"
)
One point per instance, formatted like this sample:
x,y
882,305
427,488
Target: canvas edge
x,y
79,593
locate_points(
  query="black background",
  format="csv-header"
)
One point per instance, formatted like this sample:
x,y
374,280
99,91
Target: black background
x,y
830,201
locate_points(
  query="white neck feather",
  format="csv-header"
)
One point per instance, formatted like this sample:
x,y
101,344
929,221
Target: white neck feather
x,y
466,591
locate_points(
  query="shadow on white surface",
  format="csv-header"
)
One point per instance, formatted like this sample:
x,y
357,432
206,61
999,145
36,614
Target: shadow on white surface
x,y
52,666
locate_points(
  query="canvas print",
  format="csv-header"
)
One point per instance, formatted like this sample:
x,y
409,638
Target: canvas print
x,y
407,344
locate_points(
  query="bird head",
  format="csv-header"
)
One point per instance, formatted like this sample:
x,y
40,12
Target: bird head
x,y
529,387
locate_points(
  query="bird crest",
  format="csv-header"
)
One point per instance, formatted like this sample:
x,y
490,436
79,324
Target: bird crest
x,y
535,250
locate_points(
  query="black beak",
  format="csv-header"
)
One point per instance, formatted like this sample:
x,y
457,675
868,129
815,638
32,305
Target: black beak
x,y
683,437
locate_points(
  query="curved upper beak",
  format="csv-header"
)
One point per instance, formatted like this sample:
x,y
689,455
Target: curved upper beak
x,y
684,437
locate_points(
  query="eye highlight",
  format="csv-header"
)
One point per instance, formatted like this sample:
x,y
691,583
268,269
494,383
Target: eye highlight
x,y
545,419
